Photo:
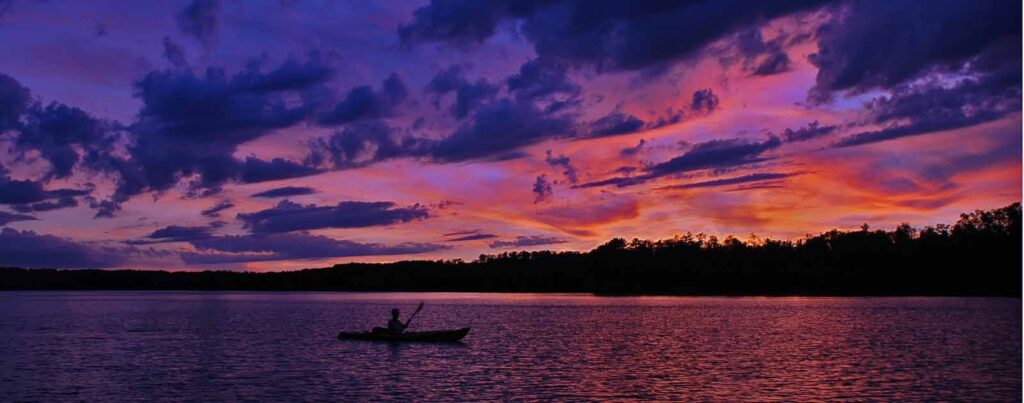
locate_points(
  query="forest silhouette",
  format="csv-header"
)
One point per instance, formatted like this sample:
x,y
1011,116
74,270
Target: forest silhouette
x,y
978,255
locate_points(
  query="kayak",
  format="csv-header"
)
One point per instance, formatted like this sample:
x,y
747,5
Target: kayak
x,y
431,336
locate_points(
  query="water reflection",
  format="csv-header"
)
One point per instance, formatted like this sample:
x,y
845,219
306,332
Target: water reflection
x,y
260,346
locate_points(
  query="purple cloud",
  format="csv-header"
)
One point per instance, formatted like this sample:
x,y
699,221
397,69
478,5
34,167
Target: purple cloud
x,y
28,192
714,154
563,162
614,124
174,233
191,125
875,44
14,100
468,236
541,189
918,110
758,177
608,35
217,208
7,218
469,95
811,131
288,216
527,241
363,103
285,192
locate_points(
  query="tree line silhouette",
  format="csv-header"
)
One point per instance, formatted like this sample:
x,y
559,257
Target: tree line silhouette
x,y
979,255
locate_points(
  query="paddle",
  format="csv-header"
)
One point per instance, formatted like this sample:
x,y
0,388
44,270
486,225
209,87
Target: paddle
x,y
418,309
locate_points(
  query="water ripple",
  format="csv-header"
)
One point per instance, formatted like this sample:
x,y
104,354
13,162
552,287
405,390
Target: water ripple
x,y
167,346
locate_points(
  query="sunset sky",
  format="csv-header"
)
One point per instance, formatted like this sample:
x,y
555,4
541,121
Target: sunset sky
x,y
264,135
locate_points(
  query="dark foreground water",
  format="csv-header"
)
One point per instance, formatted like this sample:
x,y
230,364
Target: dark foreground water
x,y
117,346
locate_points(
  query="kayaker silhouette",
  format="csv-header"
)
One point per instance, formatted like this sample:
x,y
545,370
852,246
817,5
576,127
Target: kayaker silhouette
x,y
395,325
395,332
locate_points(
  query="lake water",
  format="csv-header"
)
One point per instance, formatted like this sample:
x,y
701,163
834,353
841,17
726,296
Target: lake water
x,y
118,346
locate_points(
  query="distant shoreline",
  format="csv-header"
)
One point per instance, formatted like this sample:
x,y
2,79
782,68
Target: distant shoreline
x,y
980,255
546,293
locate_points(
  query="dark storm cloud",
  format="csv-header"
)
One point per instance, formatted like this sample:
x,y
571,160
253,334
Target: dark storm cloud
x,y
471,237
104,208
64,136
609,35
760,57
216,108
542,189
447,80
217,208
31,250
527,241
364,143
921,109
496,131
21,192
914,129
14,100
461,22
561,161
291,75
255,170
173,233
174,53
179,232
62,202
285,192
7,218
363,102
468,94
537,80
460,233
812,131
289,216
201,20
671,118
704,101
774,63
500,128
634,150
758,177
874,44
263,247
614,124
756,186
714,154
191,125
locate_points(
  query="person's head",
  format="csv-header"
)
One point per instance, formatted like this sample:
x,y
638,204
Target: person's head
x,y
394,313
